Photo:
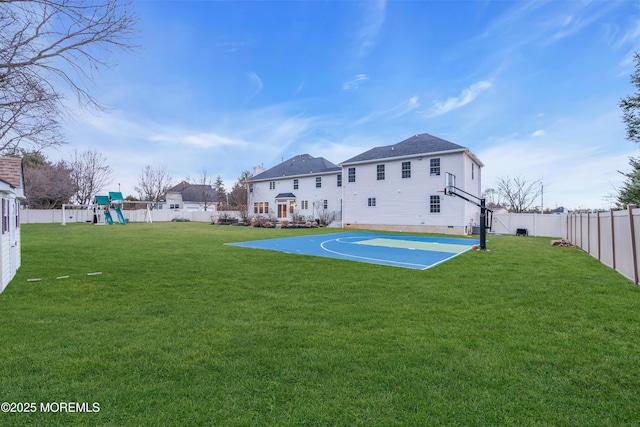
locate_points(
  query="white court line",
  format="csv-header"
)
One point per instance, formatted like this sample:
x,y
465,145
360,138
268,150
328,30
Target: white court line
x,y
393,263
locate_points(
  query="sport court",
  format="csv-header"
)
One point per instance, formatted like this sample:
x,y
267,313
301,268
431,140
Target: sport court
x,y
398,250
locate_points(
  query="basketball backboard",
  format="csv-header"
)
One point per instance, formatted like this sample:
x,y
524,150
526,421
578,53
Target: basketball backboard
x,y
449,183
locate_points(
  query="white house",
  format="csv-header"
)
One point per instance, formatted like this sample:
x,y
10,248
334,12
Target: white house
x,y
190,197
399,187
11,192
304,186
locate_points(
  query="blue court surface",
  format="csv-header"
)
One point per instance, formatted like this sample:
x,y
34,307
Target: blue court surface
x,y
399,250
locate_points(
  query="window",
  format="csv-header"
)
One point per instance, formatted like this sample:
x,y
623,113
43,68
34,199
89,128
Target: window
x,y
435,167
473,170
434,204
5,216
295,184
339,177
406,169
272,185
371,201
325,204
304,204
174,206
260,207
318,182
250,188
380,172
352,175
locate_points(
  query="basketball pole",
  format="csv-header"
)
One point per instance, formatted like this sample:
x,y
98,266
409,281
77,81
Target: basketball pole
x,y
483,211
483,225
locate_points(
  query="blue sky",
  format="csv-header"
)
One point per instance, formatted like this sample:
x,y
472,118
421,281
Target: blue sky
x,y
531,87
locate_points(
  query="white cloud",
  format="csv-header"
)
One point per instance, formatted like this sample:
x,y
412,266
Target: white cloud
x,y
355,83
391,113
256,83
631,35
373,19
539,132
466,96
200,140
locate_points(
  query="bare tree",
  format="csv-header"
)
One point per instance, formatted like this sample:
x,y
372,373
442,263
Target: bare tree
x,y
492,198
208,195
46,45
518,193
47,185
153,183
90,174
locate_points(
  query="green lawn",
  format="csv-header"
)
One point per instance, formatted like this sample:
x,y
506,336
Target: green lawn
x,y
180,329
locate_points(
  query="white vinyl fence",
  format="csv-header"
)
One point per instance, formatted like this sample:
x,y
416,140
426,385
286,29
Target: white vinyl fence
x,y
547,225
35,216
612,237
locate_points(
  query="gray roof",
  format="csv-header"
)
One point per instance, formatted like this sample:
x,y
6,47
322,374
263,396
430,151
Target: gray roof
x,y
286,196
416,145
302,164
195,192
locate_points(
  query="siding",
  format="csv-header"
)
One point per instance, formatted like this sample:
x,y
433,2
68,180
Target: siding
x,y
406,201
306,191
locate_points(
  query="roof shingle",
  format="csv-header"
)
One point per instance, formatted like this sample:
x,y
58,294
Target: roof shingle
x,y
417,144
11,171
302,164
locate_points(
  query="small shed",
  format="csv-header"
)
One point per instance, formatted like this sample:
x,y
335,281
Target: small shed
x,y
11,193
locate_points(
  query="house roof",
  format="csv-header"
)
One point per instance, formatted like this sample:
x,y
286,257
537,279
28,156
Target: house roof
x,y
302,164
179,188
286,196
196,193
11,171
416,145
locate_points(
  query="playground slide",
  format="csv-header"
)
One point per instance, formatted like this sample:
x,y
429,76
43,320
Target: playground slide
x,y
120,216
107,217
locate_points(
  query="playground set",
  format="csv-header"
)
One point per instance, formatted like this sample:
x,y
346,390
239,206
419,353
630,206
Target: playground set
x,y
104,205
113,200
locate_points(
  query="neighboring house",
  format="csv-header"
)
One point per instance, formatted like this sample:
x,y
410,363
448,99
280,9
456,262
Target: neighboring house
x,y
11,192
303,186
190,197
399,187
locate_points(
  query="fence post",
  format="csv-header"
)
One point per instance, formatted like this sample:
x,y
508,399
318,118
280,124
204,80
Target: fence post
x,y
589,232
634,255
599,239
613,239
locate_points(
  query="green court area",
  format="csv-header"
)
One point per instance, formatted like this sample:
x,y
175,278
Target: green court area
x,y
180,328
413,245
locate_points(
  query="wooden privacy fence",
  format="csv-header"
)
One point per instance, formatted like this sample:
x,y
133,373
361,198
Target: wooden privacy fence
x,y
612,237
